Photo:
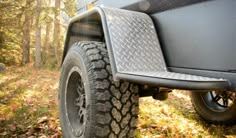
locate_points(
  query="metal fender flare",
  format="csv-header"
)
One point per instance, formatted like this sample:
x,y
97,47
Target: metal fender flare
x,y
133,48
130,37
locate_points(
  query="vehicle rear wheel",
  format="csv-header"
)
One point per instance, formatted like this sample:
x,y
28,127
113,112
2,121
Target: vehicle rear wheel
x,y
217,107
91,103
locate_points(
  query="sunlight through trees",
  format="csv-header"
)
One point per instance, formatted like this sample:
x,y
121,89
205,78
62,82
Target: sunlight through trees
x,y
33,31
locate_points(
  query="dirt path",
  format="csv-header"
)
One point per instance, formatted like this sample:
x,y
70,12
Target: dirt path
x,y
28,108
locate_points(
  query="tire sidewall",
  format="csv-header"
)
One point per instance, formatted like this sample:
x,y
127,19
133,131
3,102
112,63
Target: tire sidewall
x,y
73,59
203,109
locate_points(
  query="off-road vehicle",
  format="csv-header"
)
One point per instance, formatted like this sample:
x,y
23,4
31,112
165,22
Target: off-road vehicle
x,y
119,50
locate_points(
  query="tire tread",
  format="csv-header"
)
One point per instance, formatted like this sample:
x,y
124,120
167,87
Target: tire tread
x,y
115,101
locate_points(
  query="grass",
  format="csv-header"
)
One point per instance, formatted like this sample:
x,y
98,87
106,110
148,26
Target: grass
x,y
176,117
28,108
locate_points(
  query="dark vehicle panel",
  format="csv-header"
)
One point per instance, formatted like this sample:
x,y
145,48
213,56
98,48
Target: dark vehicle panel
x,y
194,34
200,36
149,6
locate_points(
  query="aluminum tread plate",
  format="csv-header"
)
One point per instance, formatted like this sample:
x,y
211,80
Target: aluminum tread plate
x,y
136,51
134,42
176,76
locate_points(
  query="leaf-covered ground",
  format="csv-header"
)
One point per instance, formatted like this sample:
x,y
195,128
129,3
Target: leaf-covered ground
x,y
28,103
28,108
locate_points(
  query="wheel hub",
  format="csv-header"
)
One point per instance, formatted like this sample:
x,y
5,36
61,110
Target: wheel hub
x,y
80,104
224,99
76,103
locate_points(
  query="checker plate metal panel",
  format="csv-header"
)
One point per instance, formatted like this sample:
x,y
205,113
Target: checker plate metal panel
x,y
134,41
177,76
136,48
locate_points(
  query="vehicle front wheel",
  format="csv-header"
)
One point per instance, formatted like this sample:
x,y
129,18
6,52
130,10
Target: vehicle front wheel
x,y
91,104
217,107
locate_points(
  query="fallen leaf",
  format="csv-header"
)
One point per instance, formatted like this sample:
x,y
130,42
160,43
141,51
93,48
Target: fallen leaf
x,y
12,127
30,132
42,136
13,106
3,133
164,111
20,126
55,136
53,125
42,120
38,127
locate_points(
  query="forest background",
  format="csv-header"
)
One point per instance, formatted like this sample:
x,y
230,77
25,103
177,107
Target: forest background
x,y
33,31
31,44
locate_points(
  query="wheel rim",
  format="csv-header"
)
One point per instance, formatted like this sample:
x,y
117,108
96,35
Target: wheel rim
x,y
218,101
75,102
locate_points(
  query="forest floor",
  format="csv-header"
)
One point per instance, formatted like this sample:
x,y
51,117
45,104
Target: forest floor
x,y
29,108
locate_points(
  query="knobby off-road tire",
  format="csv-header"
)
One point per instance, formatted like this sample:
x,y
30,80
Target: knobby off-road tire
x,y
212,108
91,103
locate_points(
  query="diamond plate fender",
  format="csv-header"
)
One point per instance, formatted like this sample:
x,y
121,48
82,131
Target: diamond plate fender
x,y
134,41
133,47
130,37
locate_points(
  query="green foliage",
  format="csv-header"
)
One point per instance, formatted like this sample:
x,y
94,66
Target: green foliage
x,y
9,53
70,7
11,29
12,18
49,61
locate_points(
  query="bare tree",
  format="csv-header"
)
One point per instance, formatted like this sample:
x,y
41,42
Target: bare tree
x,y
47,29
56,33
47,36
38,35
26,40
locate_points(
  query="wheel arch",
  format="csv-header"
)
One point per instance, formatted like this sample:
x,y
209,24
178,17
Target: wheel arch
x,y
89,26
84,27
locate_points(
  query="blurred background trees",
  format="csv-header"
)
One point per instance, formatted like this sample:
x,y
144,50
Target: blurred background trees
x,y
32,31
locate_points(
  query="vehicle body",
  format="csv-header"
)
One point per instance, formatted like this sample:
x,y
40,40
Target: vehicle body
x,y
185,44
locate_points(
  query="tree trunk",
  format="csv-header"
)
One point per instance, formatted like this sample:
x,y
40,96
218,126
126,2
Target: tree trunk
x,y
26,40
47,36
38,36
56,33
